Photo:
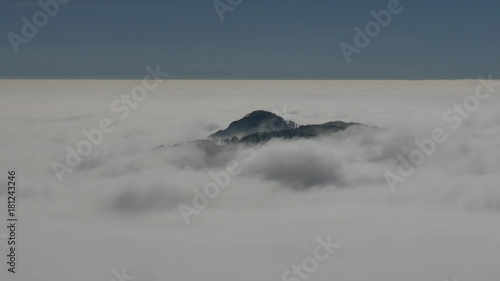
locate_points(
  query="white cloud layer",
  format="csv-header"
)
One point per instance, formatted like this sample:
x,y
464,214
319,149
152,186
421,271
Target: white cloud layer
x,y
119,207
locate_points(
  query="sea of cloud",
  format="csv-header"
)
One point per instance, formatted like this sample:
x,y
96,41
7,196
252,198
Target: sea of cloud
x,y
119,207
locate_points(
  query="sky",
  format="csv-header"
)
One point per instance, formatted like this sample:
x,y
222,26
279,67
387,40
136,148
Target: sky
x,y
257,39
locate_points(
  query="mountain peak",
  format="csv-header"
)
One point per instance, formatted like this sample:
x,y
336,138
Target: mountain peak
x,y
261,113
261,126
254,122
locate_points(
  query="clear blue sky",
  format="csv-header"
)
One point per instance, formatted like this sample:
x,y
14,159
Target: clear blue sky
x,y
259,39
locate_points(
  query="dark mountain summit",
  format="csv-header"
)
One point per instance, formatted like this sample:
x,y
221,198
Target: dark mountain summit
x,y
258,121
261,126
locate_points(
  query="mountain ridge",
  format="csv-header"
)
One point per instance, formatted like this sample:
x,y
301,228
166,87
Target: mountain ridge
x,y
261,126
